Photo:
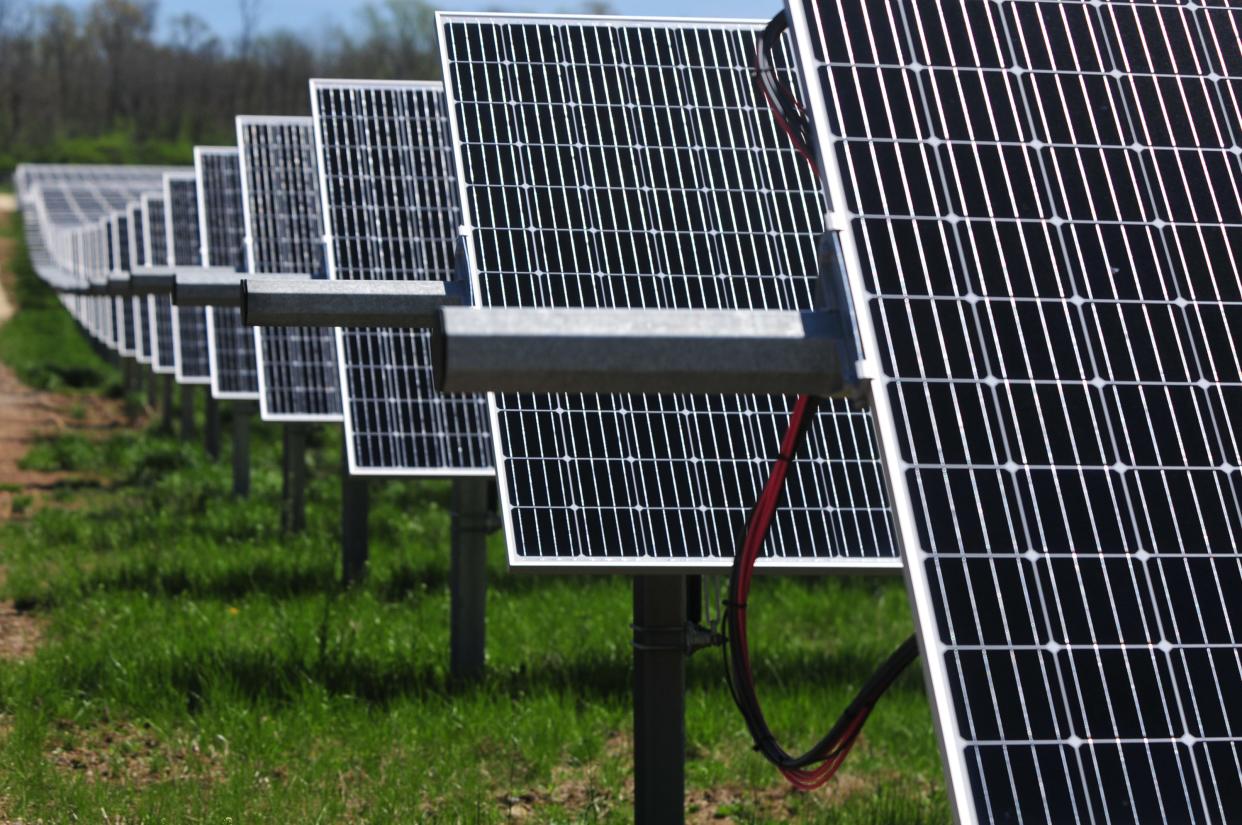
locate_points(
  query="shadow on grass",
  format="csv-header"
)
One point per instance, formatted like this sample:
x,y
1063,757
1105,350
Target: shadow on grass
x,y
298,577
269,677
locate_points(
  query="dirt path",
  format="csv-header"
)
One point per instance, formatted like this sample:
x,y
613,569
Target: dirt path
x,y
26,414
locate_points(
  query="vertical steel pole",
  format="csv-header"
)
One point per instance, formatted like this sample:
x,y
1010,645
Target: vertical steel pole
x,y
152,389
187,412
659,700
472,518
132,382
211,432
293,493
166,403
354,505
241,449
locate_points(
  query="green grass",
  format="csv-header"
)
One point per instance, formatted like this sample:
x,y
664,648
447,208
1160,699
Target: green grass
x,y
198,666
41,342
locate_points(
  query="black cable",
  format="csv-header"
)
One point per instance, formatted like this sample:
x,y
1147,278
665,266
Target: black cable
x,y
838,740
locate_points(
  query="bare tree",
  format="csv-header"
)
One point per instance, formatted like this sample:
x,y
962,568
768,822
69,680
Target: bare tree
x,y
190,33
120,28
67,75
250,11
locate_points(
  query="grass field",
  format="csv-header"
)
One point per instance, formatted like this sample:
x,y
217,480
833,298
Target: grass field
x,y
194,665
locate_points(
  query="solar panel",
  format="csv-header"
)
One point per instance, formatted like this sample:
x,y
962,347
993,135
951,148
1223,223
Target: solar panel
x,y
1043,224
181,203
391,213
127,339
142,308
628,163
190,327
230,344
298,378
160,307
156,232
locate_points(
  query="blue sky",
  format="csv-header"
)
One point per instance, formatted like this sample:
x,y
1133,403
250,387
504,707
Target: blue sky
x,y
316,16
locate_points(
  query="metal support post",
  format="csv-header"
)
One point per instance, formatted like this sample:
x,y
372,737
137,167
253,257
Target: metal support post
x,y
241,449
211,432
659,699
166,403
152,387
187,412
293,492
472,521
354,507
132,380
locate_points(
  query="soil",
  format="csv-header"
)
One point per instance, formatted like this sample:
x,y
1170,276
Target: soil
x,y
27,414
581,791
135,755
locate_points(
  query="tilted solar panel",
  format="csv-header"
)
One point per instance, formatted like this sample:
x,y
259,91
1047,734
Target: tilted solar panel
x,y
298,378
142,307
230,344
190,323
613,162
156,232
127,322
181,203
1043,248
391,213
137,239
160,307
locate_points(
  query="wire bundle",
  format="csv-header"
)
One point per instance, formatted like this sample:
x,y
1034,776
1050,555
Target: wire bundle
x,y
818,765
786,109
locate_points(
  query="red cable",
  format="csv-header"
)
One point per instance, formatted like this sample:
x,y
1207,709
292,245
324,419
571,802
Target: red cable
x,y
760,524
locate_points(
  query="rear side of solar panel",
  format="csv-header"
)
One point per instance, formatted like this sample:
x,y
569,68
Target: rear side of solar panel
x,y
160,307
1043,231
184,249
230,345
629,163
391,213
298,378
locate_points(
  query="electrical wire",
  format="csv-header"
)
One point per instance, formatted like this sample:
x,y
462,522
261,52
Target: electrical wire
x,y
816,766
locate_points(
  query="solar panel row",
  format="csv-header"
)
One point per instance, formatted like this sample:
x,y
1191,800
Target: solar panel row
x,y
1037,201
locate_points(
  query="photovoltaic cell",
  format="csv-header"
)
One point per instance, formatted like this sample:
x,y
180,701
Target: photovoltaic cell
x,y
190,327
230,344
629,163
391,213
298,378
1043,247
160,307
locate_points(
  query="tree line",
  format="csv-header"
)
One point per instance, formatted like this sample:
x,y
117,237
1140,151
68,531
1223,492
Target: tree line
x,y
103,84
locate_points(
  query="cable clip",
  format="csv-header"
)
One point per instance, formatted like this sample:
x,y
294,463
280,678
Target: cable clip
x,y
687,638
